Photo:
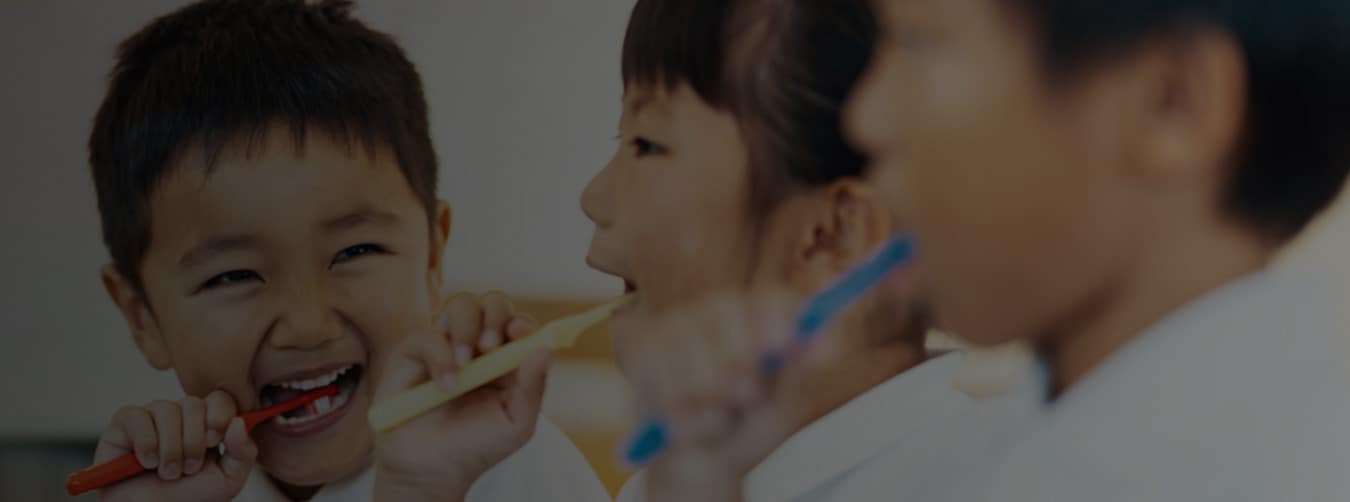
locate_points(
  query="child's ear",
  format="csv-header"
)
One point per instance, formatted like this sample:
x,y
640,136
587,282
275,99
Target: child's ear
x,y
440,235
849,221
136,310
1190,90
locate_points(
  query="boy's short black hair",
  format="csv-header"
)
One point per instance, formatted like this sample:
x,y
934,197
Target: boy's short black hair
x,y
220,71
1296,150
669,42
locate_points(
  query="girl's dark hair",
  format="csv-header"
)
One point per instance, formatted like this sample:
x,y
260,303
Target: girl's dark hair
x,y
791,67
669,42
783,67
217,71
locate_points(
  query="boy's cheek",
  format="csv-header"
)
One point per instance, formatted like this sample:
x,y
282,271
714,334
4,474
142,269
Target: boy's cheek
x,y
207,360
203,376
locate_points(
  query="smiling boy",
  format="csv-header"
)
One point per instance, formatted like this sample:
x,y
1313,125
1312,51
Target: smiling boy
x,y
266,184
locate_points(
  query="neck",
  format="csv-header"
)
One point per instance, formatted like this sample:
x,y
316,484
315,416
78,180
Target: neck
x,y
1172,271
294,492
824,391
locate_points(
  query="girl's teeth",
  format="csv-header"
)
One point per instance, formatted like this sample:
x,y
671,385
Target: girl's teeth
x,y
323,404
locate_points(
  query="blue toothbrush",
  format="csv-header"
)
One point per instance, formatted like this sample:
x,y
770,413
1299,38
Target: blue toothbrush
x,y
653,437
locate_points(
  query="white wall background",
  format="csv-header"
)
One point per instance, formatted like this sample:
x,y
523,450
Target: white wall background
x,y
524,95
524,101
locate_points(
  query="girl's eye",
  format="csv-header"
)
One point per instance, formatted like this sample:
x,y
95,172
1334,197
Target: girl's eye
x,y
355,252
643,148
231,278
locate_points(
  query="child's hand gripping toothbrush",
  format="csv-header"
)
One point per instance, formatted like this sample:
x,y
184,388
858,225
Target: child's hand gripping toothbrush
x,y
558,334
653,436
128,466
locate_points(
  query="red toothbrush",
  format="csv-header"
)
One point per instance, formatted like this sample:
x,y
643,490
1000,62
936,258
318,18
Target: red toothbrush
x,y
127,466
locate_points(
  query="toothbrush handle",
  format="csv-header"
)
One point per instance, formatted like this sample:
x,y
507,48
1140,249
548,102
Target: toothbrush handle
x,y
651,438
414,402
104,474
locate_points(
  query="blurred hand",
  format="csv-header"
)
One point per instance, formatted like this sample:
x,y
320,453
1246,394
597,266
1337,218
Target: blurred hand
x,y
701,368
438,456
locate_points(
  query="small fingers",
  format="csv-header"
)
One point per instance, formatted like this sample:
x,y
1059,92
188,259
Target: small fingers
x,y
194,433
133,429
168,418
522,325
220,409
497,313
240,453
463,323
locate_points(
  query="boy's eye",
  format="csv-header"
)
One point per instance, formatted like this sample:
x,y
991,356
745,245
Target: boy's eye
x,y
356,251
231,278
643,147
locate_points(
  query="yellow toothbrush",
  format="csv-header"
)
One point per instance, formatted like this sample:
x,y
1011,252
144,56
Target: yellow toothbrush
x,y
558,334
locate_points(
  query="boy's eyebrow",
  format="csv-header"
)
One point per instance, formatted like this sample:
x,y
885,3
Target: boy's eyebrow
x,y
215,246
360,217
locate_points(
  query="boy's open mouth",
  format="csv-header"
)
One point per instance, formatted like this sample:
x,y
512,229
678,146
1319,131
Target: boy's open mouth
x,y
346,379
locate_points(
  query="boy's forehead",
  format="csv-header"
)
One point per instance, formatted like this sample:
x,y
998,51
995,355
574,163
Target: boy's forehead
x,y
335,187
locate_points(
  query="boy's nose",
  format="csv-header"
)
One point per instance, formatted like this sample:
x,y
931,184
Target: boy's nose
x,y
307,321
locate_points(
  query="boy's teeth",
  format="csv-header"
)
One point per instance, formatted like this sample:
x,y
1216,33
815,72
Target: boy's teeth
x,y
316,382
317,408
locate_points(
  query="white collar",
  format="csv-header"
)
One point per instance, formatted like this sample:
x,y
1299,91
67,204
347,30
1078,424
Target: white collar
x,y
907,405
1206,326
360,487
1205,382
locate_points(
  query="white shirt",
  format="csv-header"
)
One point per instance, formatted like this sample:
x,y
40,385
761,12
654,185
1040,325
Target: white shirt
x,y
1244,395
883,444
548,467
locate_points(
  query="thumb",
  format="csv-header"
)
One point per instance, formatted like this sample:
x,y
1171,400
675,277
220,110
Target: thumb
x,y
528,395
240,454
414,361
399,372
